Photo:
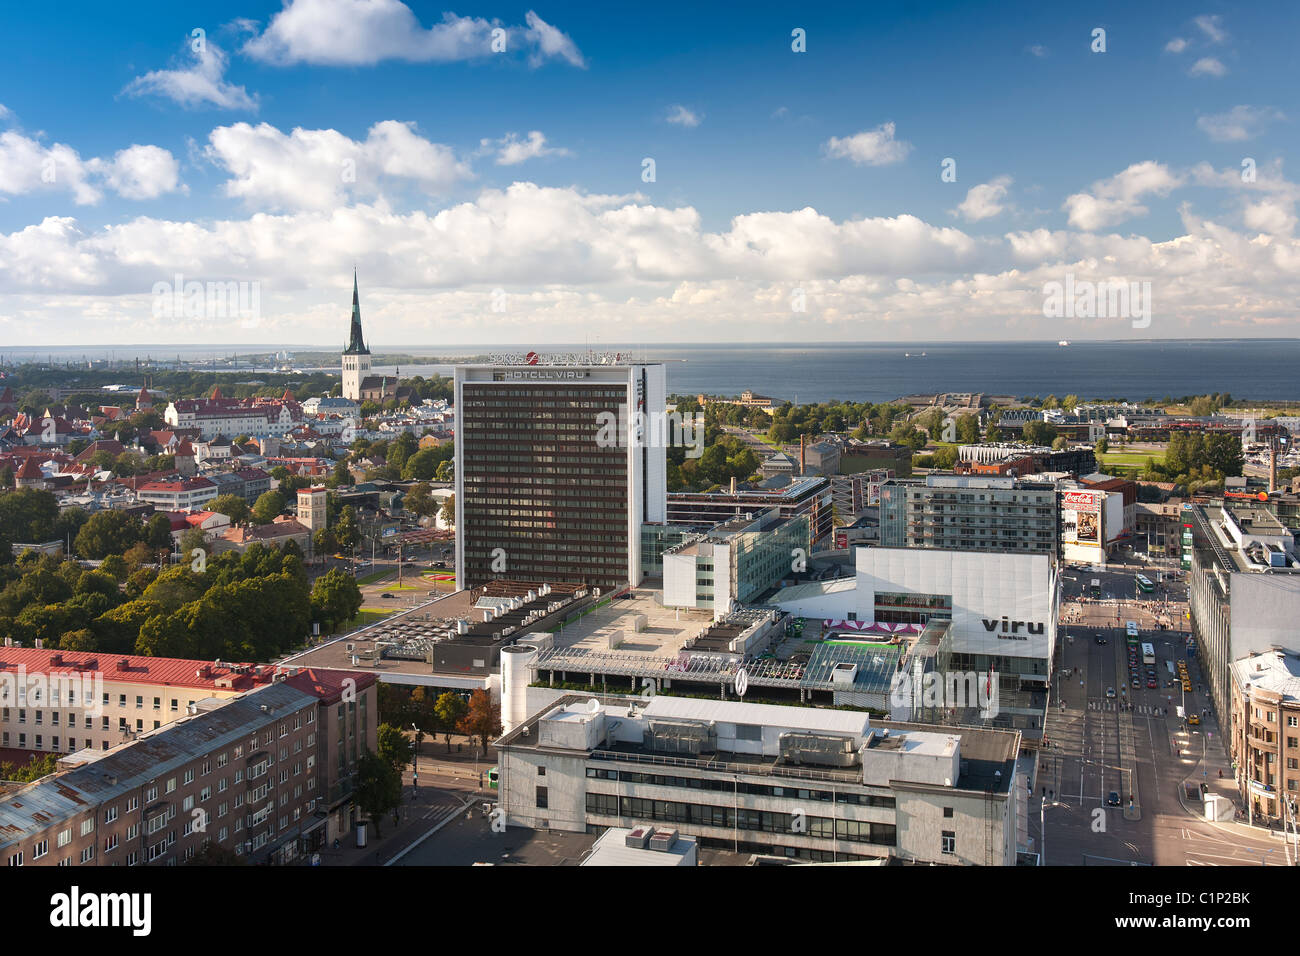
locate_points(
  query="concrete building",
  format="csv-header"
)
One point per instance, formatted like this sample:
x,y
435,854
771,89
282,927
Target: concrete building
x,y
1000,614
734,562
187,494
553,478
312,507
115,697
1264,738
795,782
969,513
802,496
1243,590
268,776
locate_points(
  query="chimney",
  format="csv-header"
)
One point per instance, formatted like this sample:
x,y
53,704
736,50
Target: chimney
x,y
733,484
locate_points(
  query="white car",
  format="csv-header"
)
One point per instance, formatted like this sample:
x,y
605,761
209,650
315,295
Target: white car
x,y
1110,691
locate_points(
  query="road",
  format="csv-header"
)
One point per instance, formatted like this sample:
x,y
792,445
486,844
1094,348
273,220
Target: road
x,y
1136,745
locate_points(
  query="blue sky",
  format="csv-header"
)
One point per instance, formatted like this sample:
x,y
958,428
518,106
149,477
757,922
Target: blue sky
x,y
499,197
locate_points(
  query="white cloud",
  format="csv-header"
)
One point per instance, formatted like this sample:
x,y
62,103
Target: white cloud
x,y
573,261
139,172
202,84
1210,26
511,150
142,172
984,201
682,116
5,112
366,32
1208,66
876,147
1118,198
1239,123
1038,50
550,42
1176,45
1268,216
317,169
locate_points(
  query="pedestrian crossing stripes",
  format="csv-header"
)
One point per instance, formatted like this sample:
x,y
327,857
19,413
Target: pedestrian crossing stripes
x,y
1114,705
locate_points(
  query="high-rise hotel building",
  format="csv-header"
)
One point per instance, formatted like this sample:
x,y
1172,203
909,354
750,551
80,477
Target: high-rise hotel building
x,y
546,489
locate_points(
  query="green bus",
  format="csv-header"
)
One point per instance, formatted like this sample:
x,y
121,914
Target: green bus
x,y
1144,585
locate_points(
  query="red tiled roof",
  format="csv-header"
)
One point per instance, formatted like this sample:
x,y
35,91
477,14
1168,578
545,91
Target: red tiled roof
x,y
29,469
163,671
187,484
329,685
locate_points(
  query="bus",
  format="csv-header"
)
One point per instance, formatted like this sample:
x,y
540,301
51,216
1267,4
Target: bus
x,y
1144,585
1131,631
1148,654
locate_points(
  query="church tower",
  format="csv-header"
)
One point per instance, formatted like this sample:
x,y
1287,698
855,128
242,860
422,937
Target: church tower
x,y
356,357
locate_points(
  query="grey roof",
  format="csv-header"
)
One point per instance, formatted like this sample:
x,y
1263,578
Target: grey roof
x,y
126,769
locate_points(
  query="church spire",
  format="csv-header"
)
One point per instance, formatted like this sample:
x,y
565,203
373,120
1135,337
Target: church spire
x,y
356,344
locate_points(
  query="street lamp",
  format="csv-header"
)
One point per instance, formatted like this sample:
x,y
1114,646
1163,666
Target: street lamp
x,y
1042,829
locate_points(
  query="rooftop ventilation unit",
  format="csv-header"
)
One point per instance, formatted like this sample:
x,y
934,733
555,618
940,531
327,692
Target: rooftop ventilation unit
x,y
821,750
663,839
638,837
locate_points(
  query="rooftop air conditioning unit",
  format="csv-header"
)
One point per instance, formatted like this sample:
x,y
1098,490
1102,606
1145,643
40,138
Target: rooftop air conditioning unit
x,y
638,837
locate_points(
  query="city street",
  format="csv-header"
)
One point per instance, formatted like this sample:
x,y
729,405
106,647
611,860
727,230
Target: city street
x,y
1133,744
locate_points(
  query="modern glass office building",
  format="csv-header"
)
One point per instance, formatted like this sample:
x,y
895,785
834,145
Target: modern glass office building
x,y
546,488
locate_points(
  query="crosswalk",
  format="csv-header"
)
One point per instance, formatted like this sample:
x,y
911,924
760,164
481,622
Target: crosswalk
x,y
1114,705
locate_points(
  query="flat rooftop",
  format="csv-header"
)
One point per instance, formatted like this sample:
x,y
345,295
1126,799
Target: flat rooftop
x,y
665,633
987,758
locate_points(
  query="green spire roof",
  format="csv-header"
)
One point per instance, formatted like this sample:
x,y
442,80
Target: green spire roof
x,y
356,344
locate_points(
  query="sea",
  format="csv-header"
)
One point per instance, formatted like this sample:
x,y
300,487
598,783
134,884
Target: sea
x,y
858,372
1264,369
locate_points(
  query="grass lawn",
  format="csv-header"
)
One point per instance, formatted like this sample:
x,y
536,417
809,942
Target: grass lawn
x,y
374,576
1137,458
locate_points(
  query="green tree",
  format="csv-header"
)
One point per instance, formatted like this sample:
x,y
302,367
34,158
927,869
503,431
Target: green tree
x,y
395,748
158,533
234,507
193,539
420,501
125,465
1039,433
1101,448
335,599
968,429
449,511
269,505
450,709
108,532
379,788
347,531
115,566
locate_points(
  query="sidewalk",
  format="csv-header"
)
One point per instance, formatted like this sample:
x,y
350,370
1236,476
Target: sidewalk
x,y
446,782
